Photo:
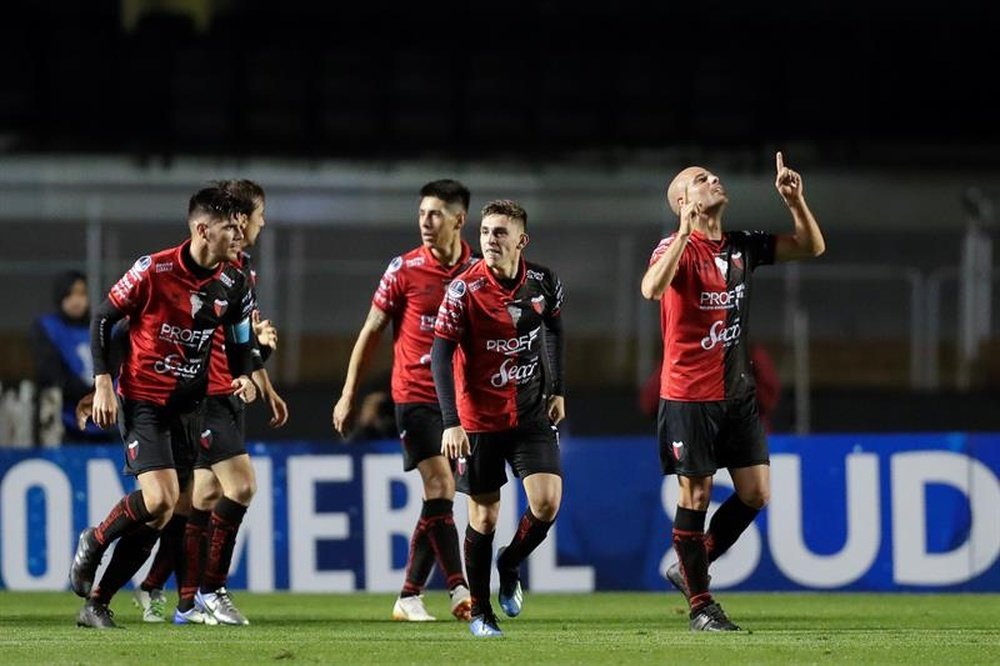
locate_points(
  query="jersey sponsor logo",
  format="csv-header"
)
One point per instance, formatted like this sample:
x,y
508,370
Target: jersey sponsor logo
x,y
165,267
727,335
722,300
178,366
509,346
510,371
195,338
536,275
220,305
226,280
457,289
427,322
723,266
196,303
476,285
416,261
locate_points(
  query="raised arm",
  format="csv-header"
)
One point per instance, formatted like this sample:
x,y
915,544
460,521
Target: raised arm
x,y
661,272
806,240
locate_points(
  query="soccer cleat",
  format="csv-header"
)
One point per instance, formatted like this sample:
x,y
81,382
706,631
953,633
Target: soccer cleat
x,y
153,604
194,616
219,604
411,609
511,595
96,615
85,562
485,626
673,574
461,603
711,618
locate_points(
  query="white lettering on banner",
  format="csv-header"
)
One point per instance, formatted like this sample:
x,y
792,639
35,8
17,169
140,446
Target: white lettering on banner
x,y
721,333
14,566
382,521
911,474
255,538
739,562
306,526
786,524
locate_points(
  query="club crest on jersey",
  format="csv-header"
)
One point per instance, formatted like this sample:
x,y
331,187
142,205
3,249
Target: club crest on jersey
x,y
723,266
196,303
737,260
206,440
538,304
220,306
678,450
133,449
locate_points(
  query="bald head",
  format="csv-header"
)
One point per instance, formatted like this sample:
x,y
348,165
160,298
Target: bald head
x,y
678,187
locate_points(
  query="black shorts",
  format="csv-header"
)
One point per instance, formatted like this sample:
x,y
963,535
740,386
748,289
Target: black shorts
x,y
222,435
531,448
419,432
697,438
159,437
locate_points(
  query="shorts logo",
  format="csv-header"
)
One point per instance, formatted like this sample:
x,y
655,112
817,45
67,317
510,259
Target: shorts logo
x,y
678,450
220,306
133,450
206,440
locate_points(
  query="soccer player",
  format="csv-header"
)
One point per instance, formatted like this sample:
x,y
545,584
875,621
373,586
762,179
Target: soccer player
x,y
175,301
504,315
708,417
409,295
224,481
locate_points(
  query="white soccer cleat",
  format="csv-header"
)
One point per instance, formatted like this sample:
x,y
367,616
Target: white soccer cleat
x,y
461,603
194,616
153,604
411,609
219,604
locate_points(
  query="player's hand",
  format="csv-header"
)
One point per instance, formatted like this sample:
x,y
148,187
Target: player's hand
x,y
265,331
105,409
279,408
455,443
343,415
787,182
556,409
689,214
244,389
84,410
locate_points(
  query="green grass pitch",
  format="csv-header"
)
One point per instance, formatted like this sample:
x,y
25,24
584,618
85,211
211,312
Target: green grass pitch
x,y
605,628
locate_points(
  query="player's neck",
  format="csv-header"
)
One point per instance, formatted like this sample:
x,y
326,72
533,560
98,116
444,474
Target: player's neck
x,y
201,255
710,228
448,256
506,271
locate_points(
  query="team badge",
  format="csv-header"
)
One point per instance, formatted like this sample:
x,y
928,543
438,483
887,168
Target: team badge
x,y
737,259
538,304
133,449
206,440
220,306
678,450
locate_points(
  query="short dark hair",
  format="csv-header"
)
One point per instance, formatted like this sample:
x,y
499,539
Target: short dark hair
x,y
218,203
243,187
448,191
507,207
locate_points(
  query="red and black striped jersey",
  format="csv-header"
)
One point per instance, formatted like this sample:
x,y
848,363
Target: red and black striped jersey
x,y
410,292
173,316
502,370
220,380
705,313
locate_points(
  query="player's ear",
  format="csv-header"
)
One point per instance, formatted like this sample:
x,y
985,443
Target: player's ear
x,y
523,241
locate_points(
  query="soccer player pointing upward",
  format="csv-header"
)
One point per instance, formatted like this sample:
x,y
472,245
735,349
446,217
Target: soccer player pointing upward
x,y
504,315
708,415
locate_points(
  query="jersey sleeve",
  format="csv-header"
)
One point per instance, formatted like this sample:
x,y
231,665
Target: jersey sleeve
x,y
451,316
554,295
661,247
132,289
389,296
759,247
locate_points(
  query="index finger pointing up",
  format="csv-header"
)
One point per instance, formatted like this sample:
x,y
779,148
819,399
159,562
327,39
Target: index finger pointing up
x,y
779,161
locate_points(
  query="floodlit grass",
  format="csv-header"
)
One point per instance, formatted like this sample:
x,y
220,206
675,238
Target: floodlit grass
x,y
633,628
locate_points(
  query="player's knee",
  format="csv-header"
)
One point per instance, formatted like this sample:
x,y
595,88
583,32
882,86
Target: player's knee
x,y
207,495
244,490
439,487
545,508
160,501
756,498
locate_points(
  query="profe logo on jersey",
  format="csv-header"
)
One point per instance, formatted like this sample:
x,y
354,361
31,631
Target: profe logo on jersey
x,y
517,345
722,300
194,338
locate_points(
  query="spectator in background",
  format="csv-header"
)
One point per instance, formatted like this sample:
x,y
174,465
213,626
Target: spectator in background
x,y
764,374
60,344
